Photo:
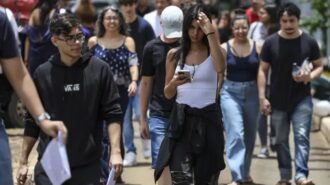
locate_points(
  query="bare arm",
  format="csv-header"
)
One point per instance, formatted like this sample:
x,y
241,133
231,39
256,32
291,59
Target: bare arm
x,y
26,51
91,42
114,132
217,53
318,69
262,79
132,88
22,83
28,143
146,88
134,70
172,80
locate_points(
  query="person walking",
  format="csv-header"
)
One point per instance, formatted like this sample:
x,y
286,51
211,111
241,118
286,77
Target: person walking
x,y
290,99
239,99
38,46
18,76
112,45
259,31
80,90
141,32
193,145
153,17
153,83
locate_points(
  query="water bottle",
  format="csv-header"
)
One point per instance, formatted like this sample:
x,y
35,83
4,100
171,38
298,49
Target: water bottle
x,y
295,69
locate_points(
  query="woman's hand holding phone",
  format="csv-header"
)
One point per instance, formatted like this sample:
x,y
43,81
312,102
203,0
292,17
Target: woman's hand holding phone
x,y
181,77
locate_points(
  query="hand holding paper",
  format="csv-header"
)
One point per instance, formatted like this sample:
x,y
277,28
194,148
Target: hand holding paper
x,y
55,161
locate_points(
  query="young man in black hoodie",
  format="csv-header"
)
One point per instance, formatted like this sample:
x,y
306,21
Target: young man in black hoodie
x,y
19,78
78,89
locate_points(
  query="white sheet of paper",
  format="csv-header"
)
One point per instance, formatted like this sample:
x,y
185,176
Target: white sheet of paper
x,y
111,178
55,161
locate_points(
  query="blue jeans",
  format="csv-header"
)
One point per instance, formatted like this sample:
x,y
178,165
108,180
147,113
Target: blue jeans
x,y
5,157
301,118
133,103
157,129
240,108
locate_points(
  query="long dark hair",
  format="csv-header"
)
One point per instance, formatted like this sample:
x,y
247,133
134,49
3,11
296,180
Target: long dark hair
x,y
45,6
86,12
271,10
100,29
190,14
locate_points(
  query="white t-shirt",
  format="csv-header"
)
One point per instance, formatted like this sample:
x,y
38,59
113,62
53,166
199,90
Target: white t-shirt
x,y
154,20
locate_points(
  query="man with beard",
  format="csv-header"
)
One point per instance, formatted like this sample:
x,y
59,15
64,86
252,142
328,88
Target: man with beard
x,y
290,53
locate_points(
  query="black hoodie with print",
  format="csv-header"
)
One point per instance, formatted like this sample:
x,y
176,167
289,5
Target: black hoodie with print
x,y
81,95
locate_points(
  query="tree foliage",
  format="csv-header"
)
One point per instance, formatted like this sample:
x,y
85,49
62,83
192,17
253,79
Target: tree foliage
x,y
319,20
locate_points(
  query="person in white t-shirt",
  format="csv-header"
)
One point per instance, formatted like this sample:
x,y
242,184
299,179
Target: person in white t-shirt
x,y
153,17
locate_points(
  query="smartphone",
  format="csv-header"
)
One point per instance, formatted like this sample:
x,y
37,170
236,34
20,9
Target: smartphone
x,y
183,73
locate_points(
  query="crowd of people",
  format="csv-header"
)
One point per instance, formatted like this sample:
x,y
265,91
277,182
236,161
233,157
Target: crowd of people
x,y
202,83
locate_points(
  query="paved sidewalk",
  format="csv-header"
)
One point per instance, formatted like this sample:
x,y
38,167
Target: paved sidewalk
x,y
263,171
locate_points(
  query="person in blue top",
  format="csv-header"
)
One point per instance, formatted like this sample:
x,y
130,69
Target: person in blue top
x,y
38,46
112,45
239,98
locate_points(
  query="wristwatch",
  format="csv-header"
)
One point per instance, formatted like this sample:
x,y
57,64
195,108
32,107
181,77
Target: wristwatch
x,y
43,116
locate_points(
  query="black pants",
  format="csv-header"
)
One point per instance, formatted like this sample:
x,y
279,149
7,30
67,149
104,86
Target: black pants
x,y
188,167
86,175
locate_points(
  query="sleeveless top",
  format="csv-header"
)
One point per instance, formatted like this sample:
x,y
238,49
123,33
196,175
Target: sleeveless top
x,y
201,91
41,47
120,59
242,69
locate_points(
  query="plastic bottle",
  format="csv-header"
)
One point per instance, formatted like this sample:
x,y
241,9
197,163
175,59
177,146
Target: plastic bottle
x,y
295,69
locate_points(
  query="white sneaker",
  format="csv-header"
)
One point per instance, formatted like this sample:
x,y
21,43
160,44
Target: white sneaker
x,y
130,159
263,154
146,145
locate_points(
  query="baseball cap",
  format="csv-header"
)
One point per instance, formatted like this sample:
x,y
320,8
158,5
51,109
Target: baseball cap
x,y
171,21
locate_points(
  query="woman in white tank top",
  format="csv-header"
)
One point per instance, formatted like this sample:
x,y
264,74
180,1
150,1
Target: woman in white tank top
x,y
195,134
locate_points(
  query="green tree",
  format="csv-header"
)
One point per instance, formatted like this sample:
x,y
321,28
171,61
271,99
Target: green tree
x,y
319,20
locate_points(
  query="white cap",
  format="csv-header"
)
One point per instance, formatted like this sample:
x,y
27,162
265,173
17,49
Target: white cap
x,y
171,21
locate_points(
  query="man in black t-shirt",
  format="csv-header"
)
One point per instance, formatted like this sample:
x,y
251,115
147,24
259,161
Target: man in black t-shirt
x,y
21,81
290,99
153,82
141,31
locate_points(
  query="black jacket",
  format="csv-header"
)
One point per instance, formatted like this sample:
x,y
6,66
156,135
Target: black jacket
x,y
204,131
81,95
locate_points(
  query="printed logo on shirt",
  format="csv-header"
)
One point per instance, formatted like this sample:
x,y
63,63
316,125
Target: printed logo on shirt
x,y
72,87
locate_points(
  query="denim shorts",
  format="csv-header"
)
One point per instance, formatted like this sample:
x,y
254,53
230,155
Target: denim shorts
x,y
157,129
